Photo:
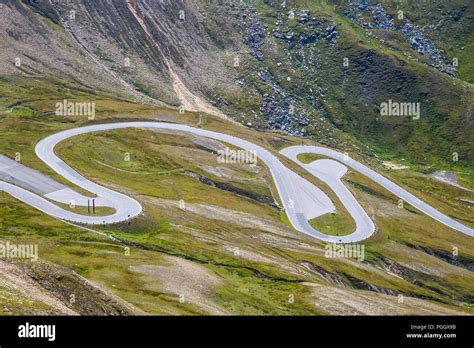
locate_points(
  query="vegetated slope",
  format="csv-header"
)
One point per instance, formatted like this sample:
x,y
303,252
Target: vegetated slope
x,y
300,50
274,64
229,227
441,30
295,62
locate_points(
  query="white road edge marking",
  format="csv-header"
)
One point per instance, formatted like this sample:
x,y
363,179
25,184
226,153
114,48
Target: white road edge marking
x,y
301,199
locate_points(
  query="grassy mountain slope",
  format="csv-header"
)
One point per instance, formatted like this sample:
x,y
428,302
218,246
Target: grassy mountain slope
x,y
231,251
263,68
226,252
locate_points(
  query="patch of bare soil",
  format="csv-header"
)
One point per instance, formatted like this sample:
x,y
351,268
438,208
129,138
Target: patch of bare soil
x,y
203,142
382,207
223,214
190,101
246,254
255,244
276,233
227,173
42,288
337,301
17,287
394,166
189,282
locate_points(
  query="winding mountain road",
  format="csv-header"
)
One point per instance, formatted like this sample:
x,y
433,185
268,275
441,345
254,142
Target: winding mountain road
x,y
301,199
293,151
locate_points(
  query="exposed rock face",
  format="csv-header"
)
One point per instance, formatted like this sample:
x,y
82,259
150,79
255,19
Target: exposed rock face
x,y
279,107
268,65
380,19
254,39
231,188
312,30
447,256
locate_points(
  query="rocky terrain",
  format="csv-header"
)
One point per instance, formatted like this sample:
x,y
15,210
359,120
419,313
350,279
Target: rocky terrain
x,y
319,70
44,288
276,73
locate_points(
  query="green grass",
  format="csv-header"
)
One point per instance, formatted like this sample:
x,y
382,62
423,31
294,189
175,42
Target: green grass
x,y
201,239
443,196
333,224
157,167
284,218
99,211
106,263
262,297
309,157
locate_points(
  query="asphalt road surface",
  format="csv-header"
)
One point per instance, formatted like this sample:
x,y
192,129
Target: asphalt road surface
x,y
301,199
293,151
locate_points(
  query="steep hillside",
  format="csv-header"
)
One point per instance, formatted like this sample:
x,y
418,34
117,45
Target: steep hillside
x,y
230,250
42,288
310,68
35,45
300,50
